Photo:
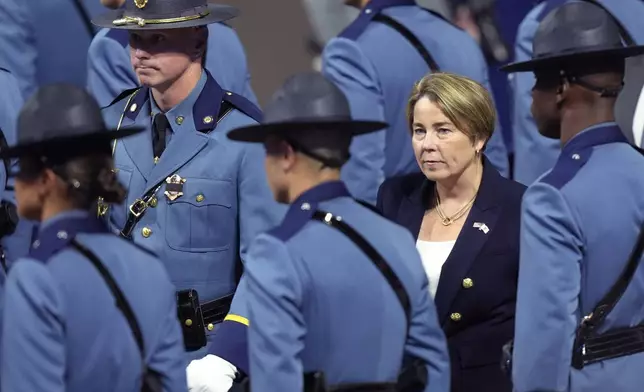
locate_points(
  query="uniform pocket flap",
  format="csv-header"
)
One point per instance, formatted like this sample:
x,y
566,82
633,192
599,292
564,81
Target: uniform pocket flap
x,y
201,192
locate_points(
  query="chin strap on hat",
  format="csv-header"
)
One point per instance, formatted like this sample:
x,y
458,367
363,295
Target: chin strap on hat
x,y
604,92
334,163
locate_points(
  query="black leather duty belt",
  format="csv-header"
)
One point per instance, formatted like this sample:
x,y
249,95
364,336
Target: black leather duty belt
x,y
216,310
366,387
315,382
611,344
196,317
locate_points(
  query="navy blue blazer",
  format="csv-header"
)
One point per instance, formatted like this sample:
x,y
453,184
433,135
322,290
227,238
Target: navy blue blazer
x,y
476,293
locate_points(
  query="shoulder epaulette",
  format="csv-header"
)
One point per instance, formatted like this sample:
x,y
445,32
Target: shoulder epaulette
x,y
119,35
245,106
122,95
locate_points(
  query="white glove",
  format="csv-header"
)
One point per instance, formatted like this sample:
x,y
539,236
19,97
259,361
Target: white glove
x,y
210,374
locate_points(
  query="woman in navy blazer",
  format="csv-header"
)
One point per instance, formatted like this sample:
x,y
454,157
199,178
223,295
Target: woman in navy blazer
x,y
465,217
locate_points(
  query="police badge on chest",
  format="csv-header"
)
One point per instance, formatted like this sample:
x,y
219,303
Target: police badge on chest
x,y
174,187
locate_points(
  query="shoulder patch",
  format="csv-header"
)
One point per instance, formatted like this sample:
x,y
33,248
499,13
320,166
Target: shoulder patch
x,y
122,96
244,105
119,35
567,166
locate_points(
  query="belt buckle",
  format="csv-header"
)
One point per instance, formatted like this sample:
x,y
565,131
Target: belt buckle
x,y
138,207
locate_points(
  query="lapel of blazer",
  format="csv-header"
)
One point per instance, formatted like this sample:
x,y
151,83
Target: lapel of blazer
x,y
413,207
486,210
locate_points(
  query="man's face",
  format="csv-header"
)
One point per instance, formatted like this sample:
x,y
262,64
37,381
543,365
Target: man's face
x,y
159,57
545,97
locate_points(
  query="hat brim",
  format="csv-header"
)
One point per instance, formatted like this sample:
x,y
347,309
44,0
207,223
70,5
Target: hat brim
x,y
550,61
216,13
259,133
24,149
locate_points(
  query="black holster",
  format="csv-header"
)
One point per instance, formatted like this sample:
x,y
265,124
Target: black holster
x,y
189,314
195,316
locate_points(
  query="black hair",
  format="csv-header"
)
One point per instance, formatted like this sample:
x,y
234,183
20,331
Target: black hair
x,y
88,176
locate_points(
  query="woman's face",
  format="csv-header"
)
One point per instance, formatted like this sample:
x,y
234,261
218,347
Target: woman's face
x,y
442,151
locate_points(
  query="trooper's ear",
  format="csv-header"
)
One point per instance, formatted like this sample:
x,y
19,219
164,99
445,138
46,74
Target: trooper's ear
x,y
201,42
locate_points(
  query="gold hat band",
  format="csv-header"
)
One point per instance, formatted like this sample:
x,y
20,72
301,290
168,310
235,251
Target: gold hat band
x,y
142,22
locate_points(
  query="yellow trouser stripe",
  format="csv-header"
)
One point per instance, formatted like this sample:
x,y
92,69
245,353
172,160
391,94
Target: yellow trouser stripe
x,y
236,318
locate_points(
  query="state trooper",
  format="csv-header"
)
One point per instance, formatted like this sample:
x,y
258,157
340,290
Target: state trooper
x,y
535,154
198,202
376,61
86,309
579,316
336,291
110,71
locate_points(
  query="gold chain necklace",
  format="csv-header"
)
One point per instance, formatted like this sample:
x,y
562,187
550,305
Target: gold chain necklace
x,y
448,220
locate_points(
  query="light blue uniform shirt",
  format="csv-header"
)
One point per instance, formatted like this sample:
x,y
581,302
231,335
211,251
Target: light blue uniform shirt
x,y
62,330
203,234
579,224
45,41
316,302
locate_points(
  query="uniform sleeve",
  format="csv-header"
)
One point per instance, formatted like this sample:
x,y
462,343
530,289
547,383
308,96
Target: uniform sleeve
x,y
33,344
258,211
17,44
547,298
231,340
10,104
276,335
426,341
168,358
247,89
495,149
344,64
109,71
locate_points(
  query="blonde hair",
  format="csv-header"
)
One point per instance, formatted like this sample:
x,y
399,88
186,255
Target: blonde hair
x,y
466,103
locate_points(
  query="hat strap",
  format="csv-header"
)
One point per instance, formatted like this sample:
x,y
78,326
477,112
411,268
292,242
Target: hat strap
x,y
603,91
328,162
126,20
